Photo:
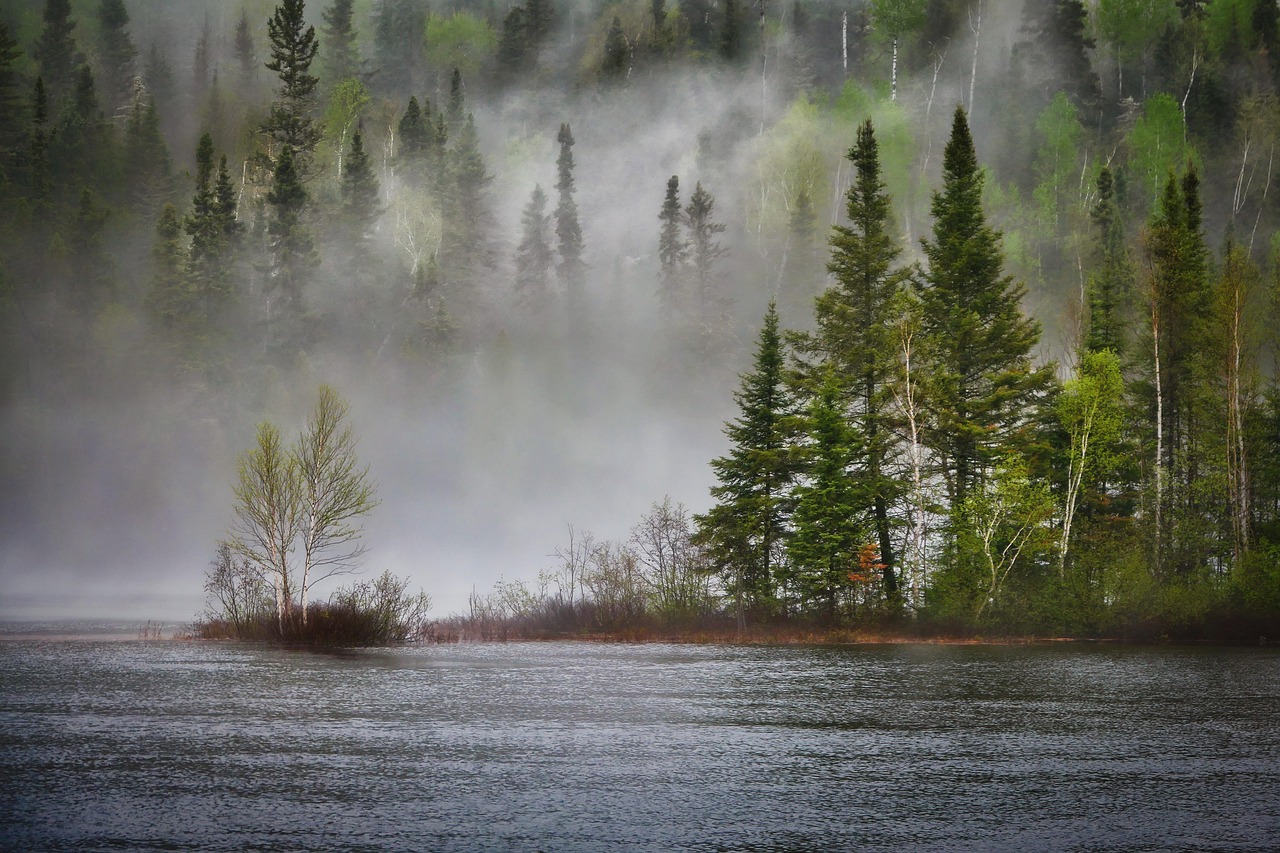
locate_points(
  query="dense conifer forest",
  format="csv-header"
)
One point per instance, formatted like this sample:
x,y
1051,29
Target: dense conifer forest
x,y
984,293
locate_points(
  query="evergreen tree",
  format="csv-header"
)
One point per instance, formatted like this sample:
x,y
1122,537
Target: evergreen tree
x,y
1111,281
147,166
168,301
539,19
617,52
159,78
292,256
397,45
854,343
92,272
457,100
360,207
467,245
731,33
55,52
341,54
202,65
414,139
13,108
116,52
983,383
514,52
673,251
534,256
246,55
208,262
1058,44
828,526
293,47
704,251
571,270
82,149
746,531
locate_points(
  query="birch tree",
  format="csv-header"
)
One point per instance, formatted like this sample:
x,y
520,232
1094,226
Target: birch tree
x,y
267,515
334,493
1090,409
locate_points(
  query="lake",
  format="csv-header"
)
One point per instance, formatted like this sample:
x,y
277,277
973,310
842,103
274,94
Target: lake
x,y
171,745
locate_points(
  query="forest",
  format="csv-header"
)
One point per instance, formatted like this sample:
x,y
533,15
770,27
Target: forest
x,y
985,296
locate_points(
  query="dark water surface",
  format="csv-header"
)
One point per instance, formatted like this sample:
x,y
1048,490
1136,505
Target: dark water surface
x,y
131,745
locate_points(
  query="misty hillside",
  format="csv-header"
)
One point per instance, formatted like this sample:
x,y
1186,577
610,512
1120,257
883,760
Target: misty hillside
x,y
533,246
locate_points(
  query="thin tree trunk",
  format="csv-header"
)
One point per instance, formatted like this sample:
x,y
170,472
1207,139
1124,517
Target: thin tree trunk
x,y
976,27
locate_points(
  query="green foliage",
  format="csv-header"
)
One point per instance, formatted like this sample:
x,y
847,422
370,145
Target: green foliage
x,y
983,381
461,41
1057,161
746,531
1157,144
293,47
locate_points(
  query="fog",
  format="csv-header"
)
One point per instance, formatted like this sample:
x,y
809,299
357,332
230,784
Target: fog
x,y
116,494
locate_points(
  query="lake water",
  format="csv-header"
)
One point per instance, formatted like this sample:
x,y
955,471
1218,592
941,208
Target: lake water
x,y
170,745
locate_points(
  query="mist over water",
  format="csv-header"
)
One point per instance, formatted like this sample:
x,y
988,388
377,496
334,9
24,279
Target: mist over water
x,y
160,746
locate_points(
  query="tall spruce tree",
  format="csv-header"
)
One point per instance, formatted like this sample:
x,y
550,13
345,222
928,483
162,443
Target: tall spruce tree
x,y
855,340
146,163
746,531
829,526
293,47
982,383
704,251
534,255
246,56
360,208
292,256
571,269
467,244
673,251
208,261
168,301
116,52
341,54
1111,280
55,52
13,101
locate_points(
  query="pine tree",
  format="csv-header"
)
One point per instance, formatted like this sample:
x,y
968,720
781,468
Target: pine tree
x,y
91,268
202,65
360,207
1057,37
514,52
539,18
293,47
1111,280
246,56
467,244
746,531
207,262
457,100
571,270
828,526
673,251
983,382
118,55
13,107
55,52
168,301
413,140
617,51
731,33
397,45
704,251
147,166
341,55
534,256
854,344
292,254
